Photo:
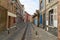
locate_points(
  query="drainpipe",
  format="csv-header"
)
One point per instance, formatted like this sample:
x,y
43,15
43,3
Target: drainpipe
x,y
45,18
40,7
38,19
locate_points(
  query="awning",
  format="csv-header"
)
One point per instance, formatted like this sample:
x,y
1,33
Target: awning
x,y
12,14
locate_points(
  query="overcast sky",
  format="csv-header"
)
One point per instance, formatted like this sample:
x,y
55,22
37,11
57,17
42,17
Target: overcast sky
x,y
30,5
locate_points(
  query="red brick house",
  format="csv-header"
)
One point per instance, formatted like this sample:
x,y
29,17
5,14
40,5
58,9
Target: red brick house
x,y
8,11
27,17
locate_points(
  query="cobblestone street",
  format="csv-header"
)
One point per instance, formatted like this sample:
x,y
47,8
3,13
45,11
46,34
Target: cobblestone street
x,y
43,35
29,19
29,32
15,34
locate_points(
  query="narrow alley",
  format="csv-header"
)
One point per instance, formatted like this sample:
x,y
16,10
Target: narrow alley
x,y
29,19
27,31
15,34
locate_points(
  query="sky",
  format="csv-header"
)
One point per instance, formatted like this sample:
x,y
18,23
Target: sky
x,y
30,5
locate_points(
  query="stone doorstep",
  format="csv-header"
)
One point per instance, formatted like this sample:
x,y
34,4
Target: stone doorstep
x,y
11,27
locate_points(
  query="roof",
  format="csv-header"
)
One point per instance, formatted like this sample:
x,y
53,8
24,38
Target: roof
x,y
27,13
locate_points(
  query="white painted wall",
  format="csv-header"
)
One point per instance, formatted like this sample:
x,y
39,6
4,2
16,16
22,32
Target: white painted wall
x,y
46,22
55,23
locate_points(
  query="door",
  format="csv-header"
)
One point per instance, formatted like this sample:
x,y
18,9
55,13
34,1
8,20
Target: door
x,y
44,20
9,21
40,19
51,17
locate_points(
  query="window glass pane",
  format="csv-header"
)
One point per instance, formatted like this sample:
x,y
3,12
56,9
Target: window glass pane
x,y
51,19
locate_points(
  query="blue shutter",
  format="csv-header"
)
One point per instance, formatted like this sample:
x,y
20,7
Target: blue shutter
x,y
40,19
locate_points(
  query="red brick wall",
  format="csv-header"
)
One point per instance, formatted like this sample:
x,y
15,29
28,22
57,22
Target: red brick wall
x,y
27,17
7,4
58,19
12,21
11,8
3,18
4,3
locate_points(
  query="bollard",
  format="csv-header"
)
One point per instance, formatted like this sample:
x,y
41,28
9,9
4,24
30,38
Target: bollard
x,y
47,28
36,33
8,32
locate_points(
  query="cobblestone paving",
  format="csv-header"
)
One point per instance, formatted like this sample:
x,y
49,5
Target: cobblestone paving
x,y
43,35
16,34
29,32
32,33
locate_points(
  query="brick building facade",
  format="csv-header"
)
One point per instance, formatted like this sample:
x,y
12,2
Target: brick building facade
x,y
20,12
27,17
13,7
3,18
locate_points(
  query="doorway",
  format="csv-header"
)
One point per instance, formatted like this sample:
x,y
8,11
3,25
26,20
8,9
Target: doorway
x,y
9,21
44,20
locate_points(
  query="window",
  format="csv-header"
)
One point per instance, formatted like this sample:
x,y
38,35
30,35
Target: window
x,y
51,17
42,4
